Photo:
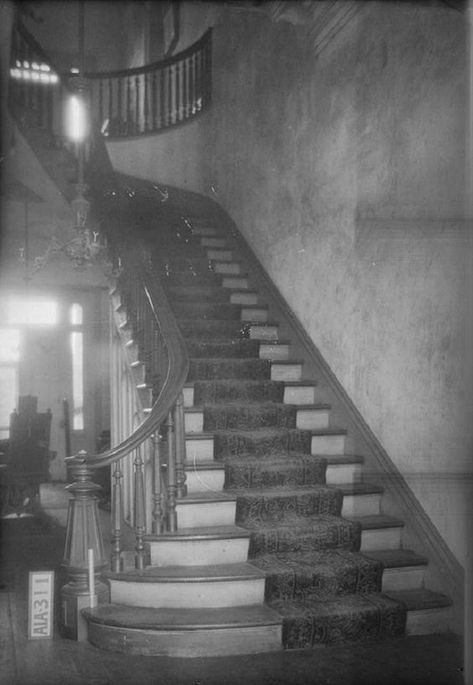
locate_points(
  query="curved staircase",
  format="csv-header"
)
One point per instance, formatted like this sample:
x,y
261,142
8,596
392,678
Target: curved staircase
x,y
281,543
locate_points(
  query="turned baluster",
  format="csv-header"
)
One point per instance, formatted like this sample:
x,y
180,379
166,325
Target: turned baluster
x,y
116,561
180,448
137,115
177,88
139,512
110,107
169,98
172,486
158,524
154,101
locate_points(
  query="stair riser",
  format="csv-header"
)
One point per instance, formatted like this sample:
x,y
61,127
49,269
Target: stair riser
x,y
188,643
299,395
250,314
198,552
188,594
274,352
210,480
220,255
346,473
206,514
213,242
286,372
361,505
241,283
244,298
194,422
380,538
263,332
198,451
403,578
328,444
312,419
429,621
188,395
227,268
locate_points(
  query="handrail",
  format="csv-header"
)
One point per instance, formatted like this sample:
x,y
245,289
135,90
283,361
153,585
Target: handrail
x,y
152,66
177,370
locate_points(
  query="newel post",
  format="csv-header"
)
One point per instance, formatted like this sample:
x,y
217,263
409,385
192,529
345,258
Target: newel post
x,y
84,589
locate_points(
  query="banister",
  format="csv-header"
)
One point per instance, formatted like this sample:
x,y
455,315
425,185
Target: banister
x,y
178,367
153,66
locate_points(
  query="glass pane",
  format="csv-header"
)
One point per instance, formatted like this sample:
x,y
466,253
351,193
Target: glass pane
x,y
8,384
77,381
9,345
76,314
32,311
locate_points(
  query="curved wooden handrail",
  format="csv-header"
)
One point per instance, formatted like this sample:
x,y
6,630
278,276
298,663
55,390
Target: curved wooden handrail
x,y
153,66
177,368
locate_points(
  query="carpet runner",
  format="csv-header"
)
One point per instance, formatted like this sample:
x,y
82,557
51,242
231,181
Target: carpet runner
x,y
316,578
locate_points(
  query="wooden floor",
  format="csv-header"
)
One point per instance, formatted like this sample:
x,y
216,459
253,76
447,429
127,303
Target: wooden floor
x,y
432,660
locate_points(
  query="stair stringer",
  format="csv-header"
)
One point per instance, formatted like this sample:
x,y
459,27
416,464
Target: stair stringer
x,y
444,573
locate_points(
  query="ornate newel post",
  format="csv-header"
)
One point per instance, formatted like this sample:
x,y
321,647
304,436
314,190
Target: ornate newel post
x,y
84,589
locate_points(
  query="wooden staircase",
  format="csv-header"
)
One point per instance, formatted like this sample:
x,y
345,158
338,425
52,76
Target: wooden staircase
x,y
254,423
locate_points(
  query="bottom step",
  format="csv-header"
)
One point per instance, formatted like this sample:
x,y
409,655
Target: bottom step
x,y
184,632
428,612
313,623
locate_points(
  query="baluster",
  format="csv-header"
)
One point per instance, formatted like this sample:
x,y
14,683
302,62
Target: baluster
x,y
101,107
162,123
154,101
185,94
177,85
137,117
158,524
120,122
146,123
180,448
192,95
169,98
128,105
139,512
199,79
208,72
172,489
110,107
116,561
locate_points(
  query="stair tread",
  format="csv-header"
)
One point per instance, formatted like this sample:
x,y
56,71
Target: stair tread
x,y
394,558
358,488
207,496
169,574
420,599
376,521
204,465
274,457
145,618
249,381
254,404
341,459
325,606
201,533
269,431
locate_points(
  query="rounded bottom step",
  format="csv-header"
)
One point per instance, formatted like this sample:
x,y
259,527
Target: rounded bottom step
x,y
185,633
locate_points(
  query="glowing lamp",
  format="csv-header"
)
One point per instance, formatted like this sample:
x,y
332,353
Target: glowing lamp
x,y
77,124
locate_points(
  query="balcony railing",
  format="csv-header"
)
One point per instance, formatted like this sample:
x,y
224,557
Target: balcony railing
x,y
149,99
130,102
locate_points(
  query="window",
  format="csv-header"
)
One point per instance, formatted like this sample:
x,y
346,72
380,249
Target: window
x,y
33,71
77,349
9,356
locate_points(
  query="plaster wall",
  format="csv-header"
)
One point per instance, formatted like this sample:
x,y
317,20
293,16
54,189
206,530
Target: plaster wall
x,y
345,170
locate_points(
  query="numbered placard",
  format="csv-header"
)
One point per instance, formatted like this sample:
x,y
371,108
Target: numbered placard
x,y
41,605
